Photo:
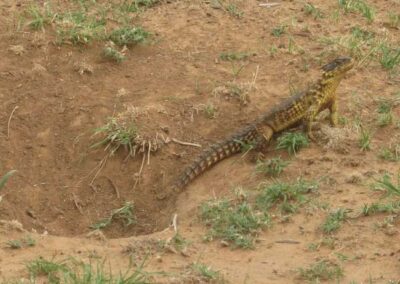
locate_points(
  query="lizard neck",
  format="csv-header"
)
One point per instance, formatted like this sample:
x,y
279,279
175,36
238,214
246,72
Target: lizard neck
x,y
329,82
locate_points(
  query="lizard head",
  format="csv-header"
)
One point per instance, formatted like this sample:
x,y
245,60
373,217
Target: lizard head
x,y
338,67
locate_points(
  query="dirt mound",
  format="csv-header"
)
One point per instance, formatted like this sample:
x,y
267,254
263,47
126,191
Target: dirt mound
x,y
78,78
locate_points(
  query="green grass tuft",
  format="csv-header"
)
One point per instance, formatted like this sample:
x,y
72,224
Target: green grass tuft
x,y
321,271
125,213
386,185
234,11
292,142
390,153
117,134
78,272
273,167
278,30
132,6
77,27
288,196
364,141
6,177
237,224
376,208
394,20
206,272
112,54
14,244
359,6
234,56
128,35
389,57
39,18
310,9
334,221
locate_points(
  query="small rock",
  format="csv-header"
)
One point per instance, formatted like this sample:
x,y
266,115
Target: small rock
x,y
37,68
390,231
165,129
31,213
354,179
83,68
17,49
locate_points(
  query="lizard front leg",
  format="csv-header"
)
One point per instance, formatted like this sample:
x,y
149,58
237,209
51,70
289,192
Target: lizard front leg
x,y
309,119
333,108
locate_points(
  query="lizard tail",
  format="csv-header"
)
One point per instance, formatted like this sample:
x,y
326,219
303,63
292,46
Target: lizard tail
x,y
208,159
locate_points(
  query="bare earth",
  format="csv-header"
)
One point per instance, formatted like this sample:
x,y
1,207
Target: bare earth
x,y
174,76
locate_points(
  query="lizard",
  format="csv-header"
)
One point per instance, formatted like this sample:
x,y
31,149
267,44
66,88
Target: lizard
x,y
303,107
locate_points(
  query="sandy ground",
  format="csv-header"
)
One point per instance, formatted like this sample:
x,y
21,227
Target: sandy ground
x,y
57,192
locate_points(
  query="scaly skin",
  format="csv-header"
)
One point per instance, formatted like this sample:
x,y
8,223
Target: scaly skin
x,y
300,108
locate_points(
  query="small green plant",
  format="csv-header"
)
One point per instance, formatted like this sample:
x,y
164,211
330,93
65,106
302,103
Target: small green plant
x,y
43,267
234,11
312,247
74,272
343,120
273,167
14,244
320,271
128,35
278,30
291,45
359,44
376,208
133,6
342,257
29,241
38,17
124,213
385,119
394,20
17,244
385,184
179,242
328,242
206,272
232,56
77,27
288,196
240,92
384,110
292,142
112,54
334,221
361,34
272,50
389,57
364,141
237,224
359,6
210,110
310,9
118,134
5,178
390,153
237,68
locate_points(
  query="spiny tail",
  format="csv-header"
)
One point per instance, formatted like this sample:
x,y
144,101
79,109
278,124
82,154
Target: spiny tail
x,y
215,154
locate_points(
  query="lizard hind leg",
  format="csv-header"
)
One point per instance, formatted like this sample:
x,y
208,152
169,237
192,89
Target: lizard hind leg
x,y
265,134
